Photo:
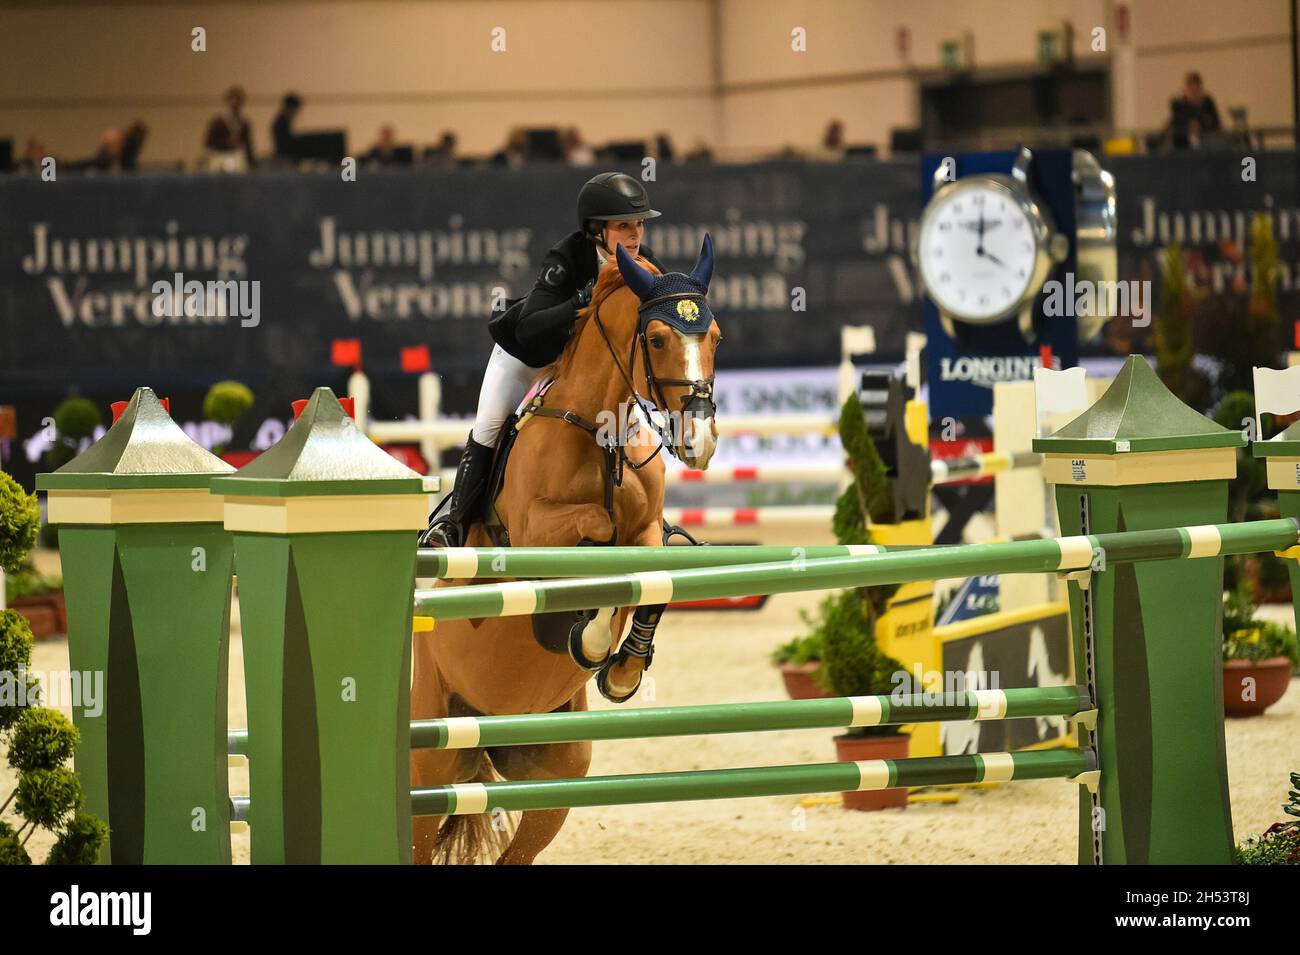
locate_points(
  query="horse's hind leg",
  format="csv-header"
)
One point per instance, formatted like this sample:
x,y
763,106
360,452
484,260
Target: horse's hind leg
x,y
538,827
430,699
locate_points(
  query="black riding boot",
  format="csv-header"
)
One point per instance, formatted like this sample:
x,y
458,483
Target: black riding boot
x,y
451,529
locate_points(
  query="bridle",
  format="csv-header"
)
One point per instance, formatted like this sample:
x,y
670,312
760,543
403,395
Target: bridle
x,y
701,389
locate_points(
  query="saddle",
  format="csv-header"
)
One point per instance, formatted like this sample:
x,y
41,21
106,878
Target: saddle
x,y
492,523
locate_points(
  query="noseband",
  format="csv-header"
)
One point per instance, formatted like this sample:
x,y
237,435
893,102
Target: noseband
x,y
701,389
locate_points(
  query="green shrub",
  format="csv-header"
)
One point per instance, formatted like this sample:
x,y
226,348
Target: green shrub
x,y
75,419
226,402
1280,843
1246,638
20,523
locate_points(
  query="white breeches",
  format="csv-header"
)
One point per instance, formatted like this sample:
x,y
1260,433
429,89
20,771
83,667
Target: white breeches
x,y
505,382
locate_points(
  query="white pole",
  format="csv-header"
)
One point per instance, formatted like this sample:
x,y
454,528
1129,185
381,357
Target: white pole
x,y
429,400
359,392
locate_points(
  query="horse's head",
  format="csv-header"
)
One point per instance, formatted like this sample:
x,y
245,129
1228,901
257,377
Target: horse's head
x,y
678,338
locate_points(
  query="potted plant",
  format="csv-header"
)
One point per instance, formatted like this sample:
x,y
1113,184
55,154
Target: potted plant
x,y
843,631
1258,656
75,421
1280,843
225,403
800,660
39,598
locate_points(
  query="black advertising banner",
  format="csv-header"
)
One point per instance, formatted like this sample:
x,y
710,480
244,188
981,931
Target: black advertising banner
x,y
416,257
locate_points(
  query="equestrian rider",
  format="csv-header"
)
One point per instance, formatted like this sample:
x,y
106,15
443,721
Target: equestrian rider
x,y
531,332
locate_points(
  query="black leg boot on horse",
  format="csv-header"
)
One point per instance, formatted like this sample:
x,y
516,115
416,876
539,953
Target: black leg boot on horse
x,y
465,503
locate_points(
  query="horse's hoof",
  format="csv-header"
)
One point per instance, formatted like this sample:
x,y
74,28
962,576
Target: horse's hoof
x,y
602,684
575,642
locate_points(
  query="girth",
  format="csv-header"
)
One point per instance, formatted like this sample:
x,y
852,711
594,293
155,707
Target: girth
x,y
613,463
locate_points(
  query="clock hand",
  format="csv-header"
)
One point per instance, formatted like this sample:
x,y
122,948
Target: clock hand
x,y
992,258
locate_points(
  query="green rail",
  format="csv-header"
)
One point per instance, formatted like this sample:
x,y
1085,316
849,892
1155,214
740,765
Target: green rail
x,y
459,563
533,728
528,729
1060,554
471,798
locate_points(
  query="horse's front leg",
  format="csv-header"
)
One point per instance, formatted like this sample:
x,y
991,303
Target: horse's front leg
x,y
588,636
620,678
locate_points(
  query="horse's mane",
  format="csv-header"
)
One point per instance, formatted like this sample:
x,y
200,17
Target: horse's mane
x,y
609,281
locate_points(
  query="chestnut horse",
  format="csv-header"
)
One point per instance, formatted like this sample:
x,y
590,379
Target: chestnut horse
x,y
645,340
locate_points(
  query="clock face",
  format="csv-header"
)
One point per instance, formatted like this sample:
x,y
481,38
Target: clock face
x,y
977,252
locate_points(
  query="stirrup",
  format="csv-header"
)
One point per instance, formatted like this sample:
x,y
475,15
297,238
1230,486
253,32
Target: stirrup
x,y
676,530
444,532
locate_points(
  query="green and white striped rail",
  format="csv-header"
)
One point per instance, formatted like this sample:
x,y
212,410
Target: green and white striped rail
x,y
470,798
529,729
469,732
1059,555
458,563
461,799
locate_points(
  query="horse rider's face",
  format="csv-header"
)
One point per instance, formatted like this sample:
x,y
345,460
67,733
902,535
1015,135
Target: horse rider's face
x,y
628,234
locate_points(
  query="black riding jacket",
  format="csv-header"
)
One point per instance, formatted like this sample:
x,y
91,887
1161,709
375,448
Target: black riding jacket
x,y
536,328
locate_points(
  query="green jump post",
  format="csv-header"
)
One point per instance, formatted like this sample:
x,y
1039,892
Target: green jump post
x,y
325,528
147,571
1147,635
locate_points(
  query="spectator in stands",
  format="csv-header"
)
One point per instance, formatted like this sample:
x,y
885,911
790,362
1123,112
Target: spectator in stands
x,y
664,148
282,126
1192,114
34,153
576,152
109,156
133,144
229,138
700,152
833,141
446,150
382,151
515,152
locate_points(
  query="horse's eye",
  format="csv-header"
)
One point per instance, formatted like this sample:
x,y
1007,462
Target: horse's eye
x,y
656,343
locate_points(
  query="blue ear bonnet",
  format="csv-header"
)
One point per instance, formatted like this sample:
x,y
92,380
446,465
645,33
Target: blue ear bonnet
x,y
676,299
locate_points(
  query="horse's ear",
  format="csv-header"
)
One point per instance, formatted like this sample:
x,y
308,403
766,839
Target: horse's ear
x,y
703,270
637,278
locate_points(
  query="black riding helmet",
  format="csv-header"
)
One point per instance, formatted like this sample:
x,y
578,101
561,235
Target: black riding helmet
x,y
611,197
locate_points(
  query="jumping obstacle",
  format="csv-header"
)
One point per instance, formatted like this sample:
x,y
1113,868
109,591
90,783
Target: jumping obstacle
x,y
530,729
1064,555
468,798
325,561
455,563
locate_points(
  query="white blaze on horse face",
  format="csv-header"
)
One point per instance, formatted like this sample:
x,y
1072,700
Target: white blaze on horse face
x,y
699,435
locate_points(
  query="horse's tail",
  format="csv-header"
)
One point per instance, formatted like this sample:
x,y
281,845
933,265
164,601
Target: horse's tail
x,y
473,839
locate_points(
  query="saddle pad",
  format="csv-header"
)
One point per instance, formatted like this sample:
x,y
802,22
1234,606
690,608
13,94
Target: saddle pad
x,y
539,388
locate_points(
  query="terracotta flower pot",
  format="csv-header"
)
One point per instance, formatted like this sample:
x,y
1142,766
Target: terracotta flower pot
x,y
799,682
1271,677
45,613
856,748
